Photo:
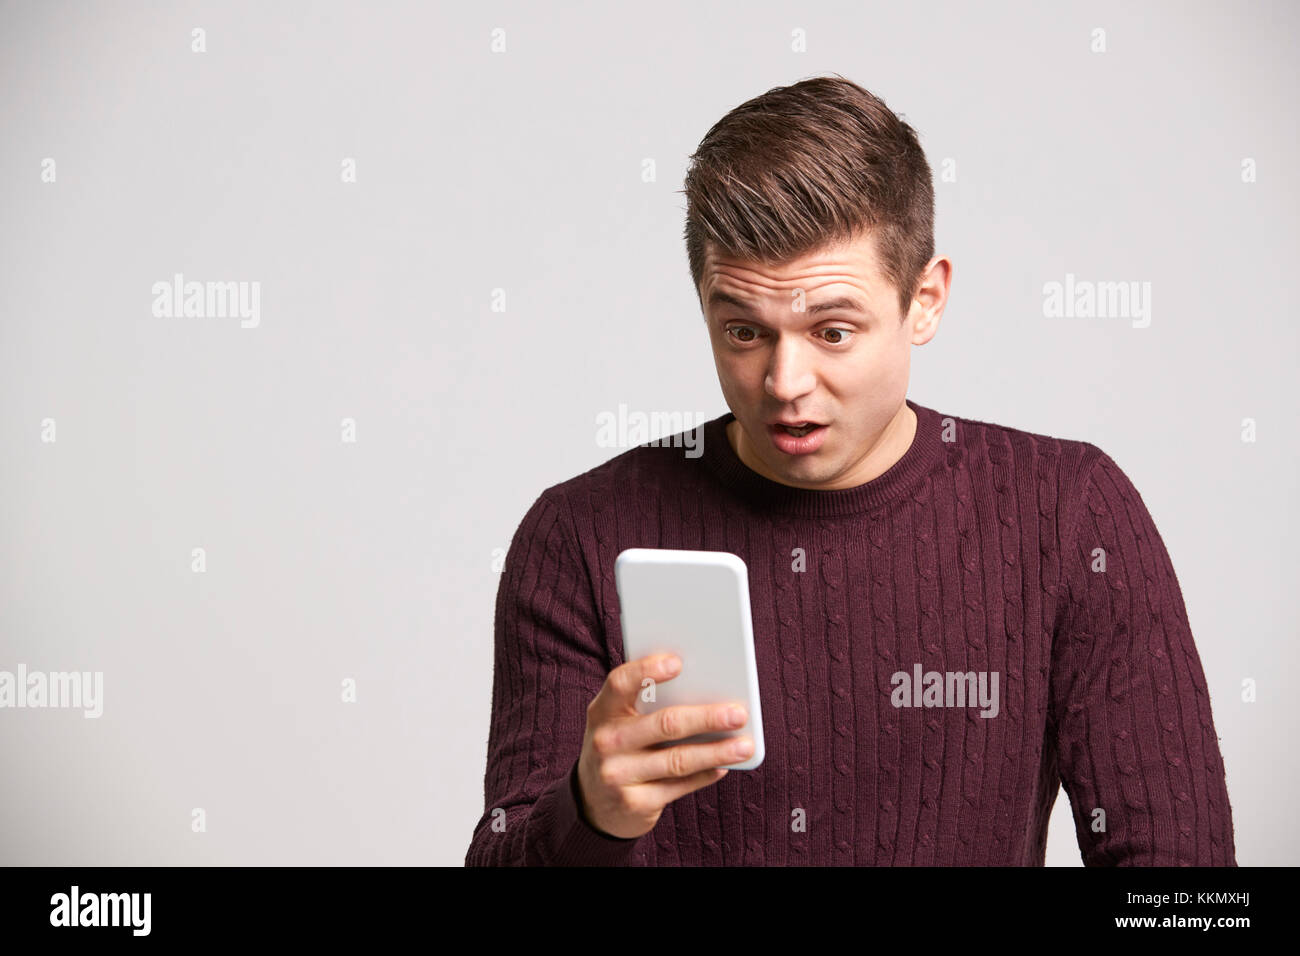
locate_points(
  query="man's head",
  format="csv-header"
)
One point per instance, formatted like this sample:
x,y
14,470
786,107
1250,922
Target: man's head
x,y
807,197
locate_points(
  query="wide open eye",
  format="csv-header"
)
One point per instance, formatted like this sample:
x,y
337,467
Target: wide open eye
x,y
836,335
842,337
743,328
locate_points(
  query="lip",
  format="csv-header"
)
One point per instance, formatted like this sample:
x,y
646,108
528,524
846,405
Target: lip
x,y
790,445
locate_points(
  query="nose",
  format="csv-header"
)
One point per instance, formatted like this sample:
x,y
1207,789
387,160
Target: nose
x,y
790,376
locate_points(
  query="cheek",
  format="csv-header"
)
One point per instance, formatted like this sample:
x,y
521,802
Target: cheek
x,y
878,361
741,369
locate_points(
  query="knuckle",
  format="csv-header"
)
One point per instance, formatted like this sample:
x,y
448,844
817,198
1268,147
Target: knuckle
x,y
623,799
637,805
677,762
628,673
608,776
670,723
605,740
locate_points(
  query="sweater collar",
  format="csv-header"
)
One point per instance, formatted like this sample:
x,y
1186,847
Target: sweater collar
x,y
926,450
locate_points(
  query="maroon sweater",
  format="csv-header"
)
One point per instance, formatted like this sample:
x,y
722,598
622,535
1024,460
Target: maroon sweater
x,y
980,551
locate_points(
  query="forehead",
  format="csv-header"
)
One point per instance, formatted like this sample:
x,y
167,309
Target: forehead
x,y
852,263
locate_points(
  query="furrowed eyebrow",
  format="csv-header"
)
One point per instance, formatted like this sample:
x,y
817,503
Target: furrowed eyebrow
x,y
841,303
717,298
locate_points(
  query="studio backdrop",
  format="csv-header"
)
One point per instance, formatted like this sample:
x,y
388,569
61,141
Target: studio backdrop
x,y
302,305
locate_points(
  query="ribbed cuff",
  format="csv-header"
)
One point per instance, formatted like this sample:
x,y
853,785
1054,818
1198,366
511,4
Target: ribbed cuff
x,y
577,842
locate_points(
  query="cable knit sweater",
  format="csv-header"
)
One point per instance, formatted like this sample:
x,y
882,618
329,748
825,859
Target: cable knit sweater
x,y
984,549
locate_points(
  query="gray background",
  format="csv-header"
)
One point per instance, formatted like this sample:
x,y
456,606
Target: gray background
x,y
522,171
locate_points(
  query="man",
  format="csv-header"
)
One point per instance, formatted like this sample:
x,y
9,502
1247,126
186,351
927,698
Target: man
x,y
890,549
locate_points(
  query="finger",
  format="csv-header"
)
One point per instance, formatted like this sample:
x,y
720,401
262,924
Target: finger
x,y
617,696
676,723
664,792
679,761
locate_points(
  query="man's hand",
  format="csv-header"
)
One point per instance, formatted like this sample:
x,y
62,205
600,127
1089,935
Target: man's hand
x,y
626,782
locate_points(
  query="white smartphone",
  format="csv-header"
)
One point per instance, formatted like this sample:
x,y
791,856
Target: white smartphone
x,y
694,604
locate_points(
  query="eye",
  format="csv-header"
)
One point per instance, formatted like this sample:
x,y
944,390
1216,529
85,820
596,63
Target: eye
x,y
839,337
741,328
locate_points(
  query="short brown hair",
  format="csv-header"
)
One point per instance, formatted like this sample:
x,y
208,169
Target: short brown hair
x,y
805,166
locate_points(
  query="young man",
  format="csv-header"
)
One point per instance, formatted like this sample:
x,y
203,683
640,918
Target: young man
x,y
896,555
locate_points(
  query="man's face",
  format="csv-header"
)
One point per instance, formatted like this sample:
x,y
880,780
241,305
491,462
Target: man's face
x,y
818,340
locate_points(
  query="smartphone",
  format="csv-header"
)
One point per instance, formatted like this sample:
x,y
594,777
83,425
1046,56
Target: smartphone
x,y
694,604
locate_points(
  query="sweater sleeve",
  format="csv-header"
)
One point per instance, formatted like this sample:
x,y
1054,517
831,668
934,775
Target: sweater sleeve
x,y
549,663
1130,713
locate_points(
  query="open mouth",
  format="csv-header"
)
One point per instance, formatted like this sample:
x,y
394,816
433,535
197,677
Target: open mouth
x,y
799,438
798,431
